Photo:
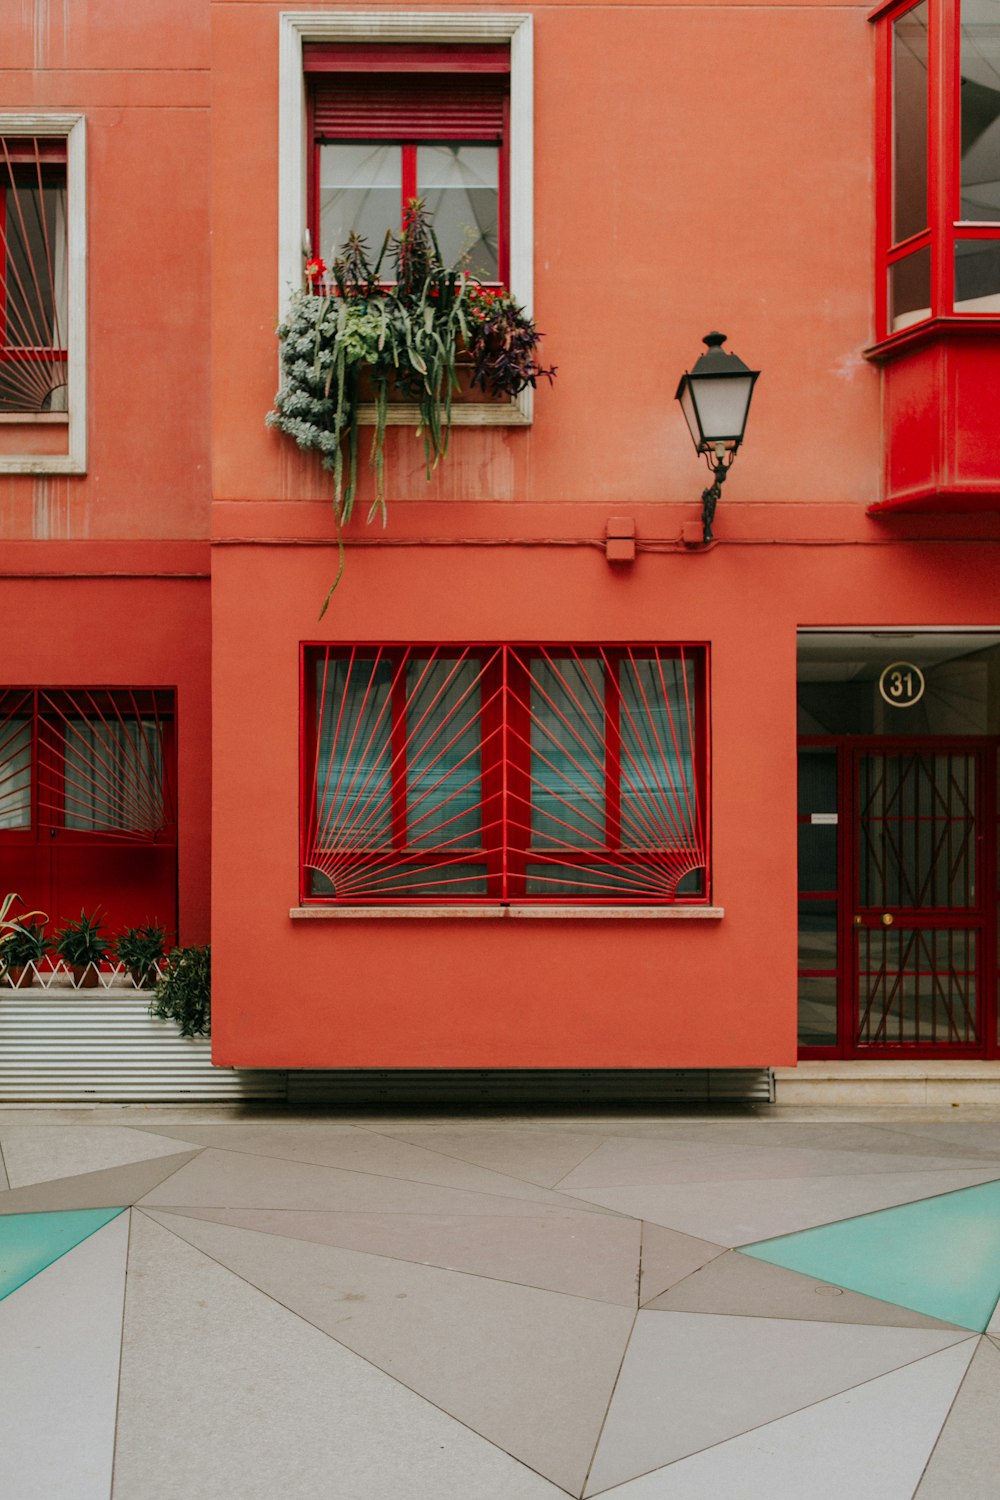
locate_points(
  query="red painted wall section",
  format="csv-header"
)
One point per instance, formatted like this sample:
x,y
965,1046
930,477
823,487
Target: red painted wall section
x,y
140,75
92,632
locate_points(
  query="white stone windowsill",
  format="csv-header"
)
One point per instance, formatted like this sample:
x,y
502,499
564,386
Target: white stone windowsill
x,y
493,912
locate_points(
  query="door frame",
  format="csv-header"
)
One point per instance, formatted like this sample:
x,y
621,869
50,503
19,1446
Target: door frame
x,y
849,749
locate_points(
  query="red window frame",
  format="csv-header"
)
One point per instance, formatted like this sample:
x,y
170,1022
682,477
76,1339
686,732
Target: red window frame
x,y
27,163
639,854
944,226
408,62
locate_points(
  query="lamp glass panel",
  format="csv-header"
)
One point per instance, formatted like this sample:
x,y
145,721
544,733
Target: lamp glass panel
x,y
722,402
690,415
979,65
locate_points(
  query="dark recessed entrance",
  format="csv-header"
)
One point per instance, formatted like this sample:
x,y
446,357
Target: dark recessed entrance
x,y
898,739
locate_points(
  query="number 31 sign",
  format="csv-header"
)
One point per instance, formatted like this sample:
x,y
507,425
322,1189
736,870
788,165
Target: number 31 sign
x,y
902,684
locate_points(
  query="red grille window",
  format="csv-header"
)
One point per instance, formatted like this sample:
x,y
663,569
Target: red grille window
x,y
33,274
505,773
398,122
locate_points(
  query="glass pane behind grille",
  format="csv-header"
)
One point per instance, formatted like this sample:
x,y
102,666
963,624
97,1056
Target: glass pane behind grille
x,y
917,846
916,986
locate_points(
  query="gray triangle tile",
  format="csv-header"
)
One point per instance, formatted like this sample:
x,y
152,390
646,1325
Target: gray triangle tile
x,y
867,1443
234,1179
582,1255
741,1212
61,1338
690,1381
41,1153
741,1287
539,1156
226,1393
354,1150
114,1187
532,1371
669,1256
966,1459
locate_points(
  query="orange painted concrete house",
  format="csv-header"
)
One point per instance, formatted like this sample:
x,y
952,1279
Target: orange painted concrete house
x,y
525,796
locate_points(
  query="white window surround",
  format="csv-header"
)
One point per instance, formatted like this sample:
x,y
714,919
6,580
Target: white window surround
x,y
375,26
73,127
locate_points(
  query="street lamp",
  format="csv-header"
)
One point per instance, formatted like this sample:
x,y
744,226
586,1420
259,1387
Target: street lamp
x,y
715,399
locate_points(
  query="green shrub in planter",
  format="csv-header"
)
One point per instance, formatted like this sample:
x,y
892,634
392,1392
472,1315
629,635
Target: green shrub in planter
x,y
183,993
140,950
83,946
26,944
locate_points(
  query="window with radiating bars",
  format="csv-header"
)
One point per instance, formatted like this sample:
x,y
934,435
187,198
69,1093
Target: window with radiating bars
x,y
87,761
510,773
33,275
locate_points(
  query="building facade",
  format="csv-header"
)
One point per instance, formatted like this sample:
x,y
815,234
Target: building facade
x,y
552,783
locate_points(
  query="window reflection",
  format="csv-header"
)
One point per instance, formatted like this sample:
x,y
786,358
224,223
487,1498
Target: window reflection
x,y
909,60
980,110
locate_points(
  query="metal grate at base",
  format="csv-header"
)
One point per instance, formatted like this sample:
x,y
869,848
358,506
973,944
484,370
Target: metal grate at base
x,y
568,1086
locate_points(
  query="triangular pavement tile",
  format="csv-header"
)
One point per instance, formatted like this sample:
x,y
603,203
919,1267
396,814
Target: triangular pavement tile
x,y
39,1153
668,1256
30,1242
689,1381
61,1336
966,1460
532,1371
940,1256
539,1156
226,1393
233,1179
742,1212
584,1255
736,1285
114,1186
868,1443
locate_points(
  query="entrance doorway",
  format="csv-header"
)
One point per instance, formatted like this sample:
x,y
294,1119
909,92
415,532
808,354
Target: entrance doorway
x,y
898,846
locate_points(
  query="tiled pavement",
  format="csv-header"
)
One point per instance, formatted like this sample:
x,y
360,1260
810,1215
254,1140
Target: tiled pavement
x,y
215,1305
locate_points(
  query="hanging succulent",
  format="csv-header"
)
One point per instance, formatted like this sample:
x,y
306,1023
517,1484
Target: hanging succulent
x,y
350,338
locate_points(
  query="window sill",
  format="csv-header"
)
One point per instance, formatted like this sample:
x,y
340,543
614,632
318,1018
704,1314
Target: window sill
x,y
517,412
543,913
34,418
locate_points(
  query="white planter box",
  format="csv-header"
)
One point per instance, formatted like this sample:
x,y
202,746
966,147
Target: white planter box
x,y
102,1046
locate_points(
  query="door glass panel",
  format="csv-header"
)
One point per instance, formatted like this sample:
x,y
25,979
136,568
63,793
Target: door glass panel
x,y
817,857
916,831
916,987
817,781
15,773
818,1010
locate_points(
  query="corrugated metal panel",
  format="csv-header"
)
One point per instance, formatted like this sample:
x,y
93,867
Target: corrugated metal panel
x,y
531,1086
103,1046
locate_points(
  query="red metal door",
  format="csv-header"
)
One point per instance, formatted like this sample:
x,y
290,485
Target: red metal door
x,y
919,874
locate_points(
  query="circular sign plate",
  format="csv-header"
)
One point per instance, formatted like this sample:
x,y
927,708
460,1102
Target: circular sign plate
x,y
902,684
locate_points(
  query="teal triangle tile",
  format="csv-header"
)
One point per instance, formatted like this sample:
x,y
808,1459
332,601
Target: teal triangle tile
x,y
30,1242
939,1256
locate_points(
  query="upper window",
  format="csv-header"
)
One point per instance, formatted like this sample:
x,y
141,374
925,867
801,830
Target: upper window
x,y
42,297
393,123
939,207
543,774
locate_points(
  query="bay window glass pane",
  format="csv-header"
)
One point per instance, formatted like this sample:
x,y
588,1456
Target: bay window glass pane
x,y
979,62
354,755
15,773
977,276
567,754
443,754
910,289
909,105
658,794
460,184
361,192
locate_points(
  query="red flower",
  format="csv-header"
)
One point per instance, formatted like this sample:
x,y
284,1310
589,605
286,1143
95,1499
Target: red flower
x,y
315,268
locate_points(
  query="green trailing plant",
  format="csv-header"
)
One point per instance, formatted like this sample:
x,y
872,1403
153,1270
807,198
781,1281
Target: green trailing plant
x,y
349,338
140,950
82,942
183,993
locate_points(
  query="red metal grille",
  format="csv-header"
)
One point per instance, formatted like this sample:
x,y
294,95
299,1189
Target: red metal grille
x,y
93,761
528,773
33,274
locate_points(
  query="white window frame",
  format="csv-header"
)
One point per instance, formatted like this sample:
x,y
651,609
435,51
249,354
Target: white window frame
x,y
376,26
73,129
